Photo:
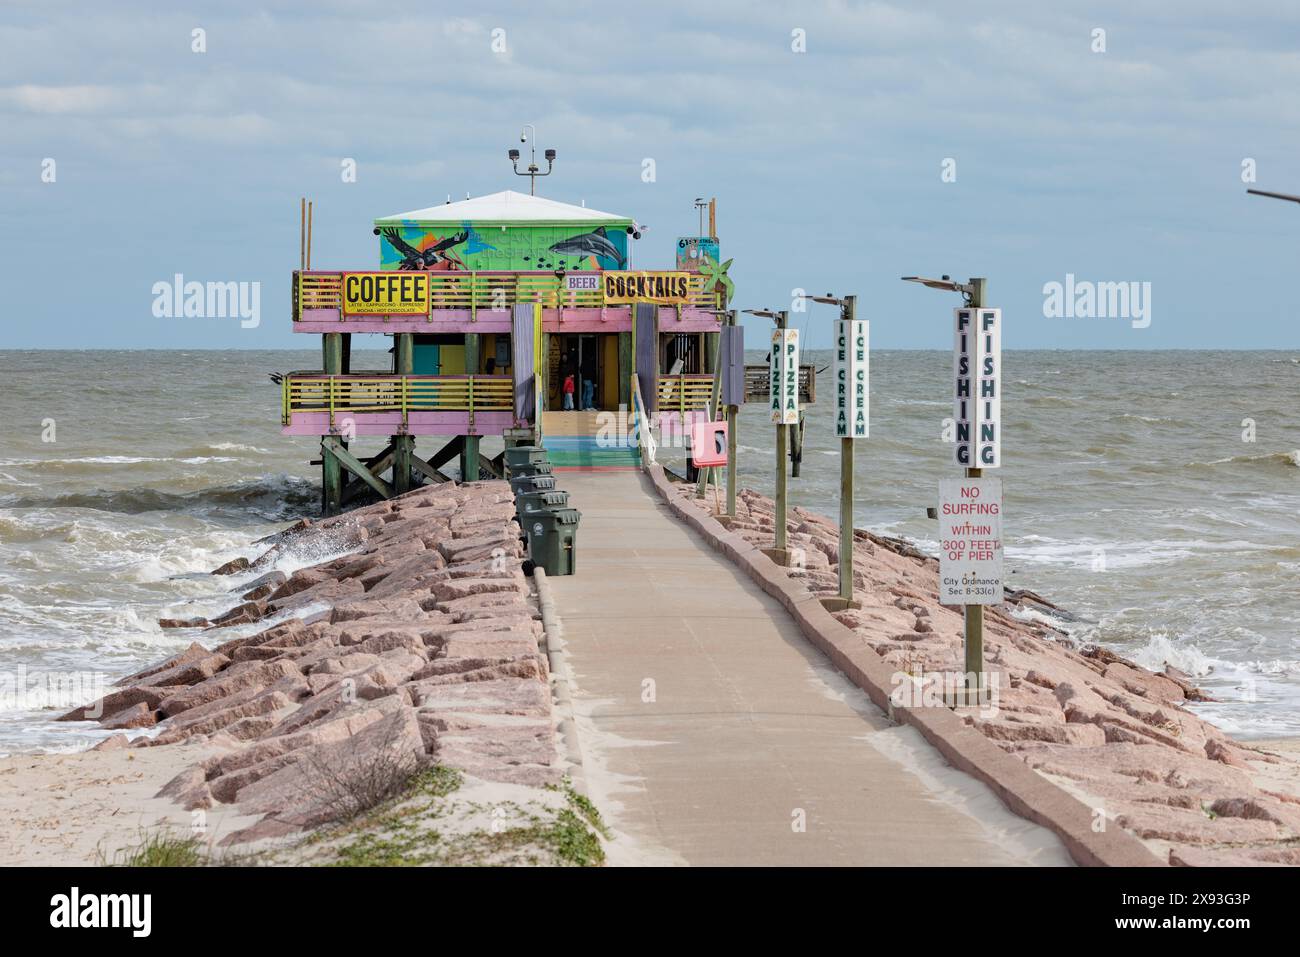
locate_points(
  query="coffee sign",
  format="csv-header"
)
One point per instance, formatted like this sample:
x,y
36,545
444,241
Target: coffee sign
x,y
389,293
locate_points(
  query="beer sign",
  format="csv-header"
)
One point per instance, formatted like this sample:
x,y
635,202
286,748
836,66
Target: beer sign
x,y
783,375
389,293
852,367
977,387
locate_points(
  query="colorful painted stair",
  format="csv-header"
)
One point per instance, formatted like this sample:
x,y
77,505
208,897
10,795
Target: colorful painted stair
x,y
571,442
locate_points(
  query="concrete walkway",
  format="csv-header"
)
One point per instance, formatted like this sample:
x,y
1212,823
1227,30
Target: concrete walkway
x,y
711,729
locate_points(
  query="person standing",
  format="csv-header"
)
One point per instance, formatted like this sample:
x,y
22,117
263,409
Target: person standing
x,y
588,395
568,392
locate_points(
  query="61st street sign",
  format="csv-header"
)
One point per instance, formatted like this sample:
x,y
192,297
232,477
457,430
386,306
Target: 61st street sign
x,y
852,376
783,374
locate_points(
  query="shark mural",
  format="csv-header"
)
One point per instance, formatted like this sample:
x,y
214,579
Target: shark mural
x,y
595,244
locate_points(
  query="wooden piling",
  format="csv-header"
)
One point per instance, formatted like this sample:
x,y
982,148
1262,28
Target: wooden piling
x,y
469,463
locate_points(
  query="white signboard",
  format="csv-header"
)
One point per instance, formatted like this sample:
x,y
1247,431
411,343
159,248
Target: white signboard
x,y
970,541
783,374
852,376
580,283
977,392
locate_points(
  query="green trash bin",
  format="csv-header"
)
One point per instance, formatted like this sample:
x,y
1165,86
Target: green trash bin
x,y
524,455
529,503
553,540
530,468
531,483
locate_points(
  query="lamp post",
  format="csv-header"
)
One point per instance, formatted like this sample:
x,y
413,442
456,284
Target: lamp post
x,y
848,309
533,169
972,293
1287,196
782,320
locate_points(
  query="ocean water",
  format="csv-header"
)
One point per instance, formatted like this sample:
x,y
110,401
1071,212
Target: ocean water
x,y
1131,500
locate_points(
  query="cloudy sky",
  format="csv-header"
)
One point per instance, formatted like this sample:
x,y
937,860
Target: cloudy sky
x,y
1117,166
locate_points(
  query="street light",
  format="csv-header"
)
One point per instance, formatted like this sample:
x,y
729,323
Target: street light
x,y
533,169
847,306
782,319
1286,196
967,289
972,292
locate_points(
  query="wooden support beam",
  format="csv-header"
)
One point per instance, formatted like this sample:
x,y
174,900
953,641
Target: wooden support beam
x,y
428,471
357,468
447,453
486,464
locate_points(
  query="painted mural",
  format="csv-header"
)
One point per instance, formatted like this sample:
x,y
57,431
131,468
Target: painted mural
x,y
467,247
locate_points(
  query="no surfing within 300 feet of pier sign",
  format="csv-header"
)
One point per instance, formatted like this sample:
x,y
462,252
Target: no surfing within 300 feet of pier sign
x,y
970,541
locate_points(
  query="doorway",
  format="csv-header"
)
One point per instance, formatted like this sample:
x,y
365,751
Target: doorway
x,y
581,355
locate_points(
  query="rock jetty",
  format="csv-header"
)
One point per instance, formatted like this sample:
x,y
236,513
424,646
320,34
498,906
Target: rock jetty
x,y
421,643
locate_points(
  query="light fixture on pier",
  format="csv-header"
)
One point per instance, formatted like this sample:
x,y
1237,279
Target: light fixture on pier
x,y
1263,192
533,170
945,283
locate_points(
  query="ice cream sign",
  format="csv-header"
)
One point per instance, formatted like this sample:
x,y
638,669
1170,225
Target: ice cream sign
x,y
852,361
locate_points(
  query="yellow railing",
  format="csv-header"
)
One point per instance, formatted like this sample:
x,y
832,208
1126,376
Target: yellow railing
x,y
495,291
685,393
314,392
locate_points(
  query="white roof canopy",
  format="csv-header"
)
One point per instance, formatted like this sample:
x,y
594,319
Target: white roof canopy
x,y
506,206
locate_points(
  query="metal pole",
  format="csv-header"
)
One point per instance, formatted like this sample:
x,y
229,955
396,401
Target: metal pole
x,y
782,433
847,444
975,613
731,440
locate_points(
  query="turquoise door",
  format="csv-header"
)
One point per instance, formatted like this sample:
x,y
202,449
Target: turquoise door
x,y
425,360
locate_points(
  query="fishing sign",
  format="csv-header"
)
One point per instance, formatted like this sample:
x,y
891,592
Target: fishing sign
x,y
970,541
852,375
660,288
390,293
977,387
783,377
